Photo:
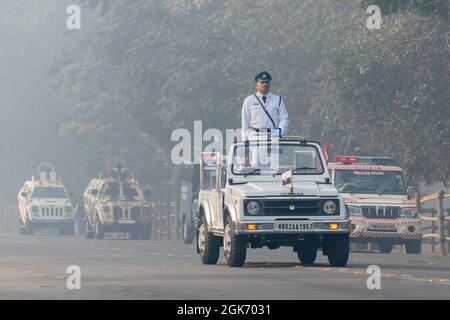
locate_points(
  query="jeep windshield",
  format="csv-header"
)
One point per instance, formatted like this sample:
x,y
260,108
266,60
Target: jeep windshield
x,y
115,190
129,191
370,182
49,193
275,159
111,191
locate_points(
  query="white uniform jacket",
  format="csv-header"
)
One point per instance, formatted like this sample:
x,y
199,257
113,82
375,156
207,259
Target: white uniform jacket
x,y
254,117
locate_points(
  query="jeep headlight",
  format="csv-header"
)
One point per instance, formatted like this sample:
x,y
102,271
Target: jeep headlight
x,y
411,212
354,211
35,210
68,209
329,207
253,207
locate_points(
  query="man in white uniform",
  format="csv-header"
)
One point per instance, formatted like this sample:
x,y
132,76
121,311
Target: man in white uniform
x,y
263,110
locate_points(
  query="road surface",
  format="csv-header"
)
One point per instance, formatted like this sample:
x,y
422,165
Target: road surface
x,y
34,267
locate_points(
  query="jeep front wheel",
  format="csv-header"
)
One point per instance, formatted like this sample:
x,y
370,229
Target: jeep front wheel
x,y
307,255
99,230
208,244
338,248
234,246
385,247
413,246
90,234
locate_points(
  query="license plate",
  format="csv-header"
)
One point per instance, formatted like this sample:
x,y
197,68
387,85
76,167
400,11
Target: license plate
x,y
293,226
127,221
382,227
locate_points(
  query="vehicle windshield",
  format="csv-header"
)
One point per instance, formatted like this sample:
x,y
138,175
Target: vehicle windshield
x,y
49,193
129,192
370,182
276,159
111,190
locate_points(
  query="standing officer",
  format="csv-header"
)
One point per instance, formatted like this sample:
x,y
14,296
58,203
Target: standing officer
x,y
263,110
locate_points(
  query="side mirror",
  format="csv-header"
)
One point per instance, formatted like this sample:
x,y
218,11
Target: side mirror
x,y
410,191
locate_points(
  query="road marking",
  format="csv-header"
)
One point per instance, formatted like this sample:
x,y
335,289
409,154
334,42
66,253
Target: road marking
x,y
391,275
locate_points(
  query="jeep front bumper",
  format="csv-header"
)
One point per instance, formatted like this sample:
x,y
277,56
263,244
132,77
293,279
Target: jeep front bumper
x,y
394,229
318,227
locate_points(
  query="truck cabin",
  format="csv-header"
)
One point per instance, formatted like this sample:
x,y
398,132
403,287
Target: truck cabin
x,y
367,175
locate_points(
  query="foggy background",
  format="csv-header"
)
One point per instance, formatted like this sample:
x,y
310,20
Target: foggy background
x,y
137,70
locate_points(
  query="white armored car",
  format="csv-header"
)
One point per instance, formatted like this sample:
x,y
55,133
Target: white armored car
x,y
44,203
244,202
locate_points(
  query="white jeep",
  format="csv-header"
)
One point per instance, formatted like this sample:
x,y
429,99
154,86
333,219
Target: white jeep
x,y
243,201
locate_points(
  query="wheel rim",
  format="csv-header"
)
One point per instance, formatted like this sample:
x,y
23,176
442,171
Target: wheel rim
x,y
202,239
227,241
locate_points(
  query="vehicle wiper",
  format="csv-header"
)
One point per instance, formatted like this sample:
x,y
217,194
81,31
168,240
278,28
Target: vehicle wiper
x,y
252,172
303,168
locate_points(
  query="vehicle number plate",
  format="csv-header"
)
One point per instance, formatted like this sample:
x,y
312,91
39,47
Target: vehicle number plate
x,y
127,221
382,227
293,226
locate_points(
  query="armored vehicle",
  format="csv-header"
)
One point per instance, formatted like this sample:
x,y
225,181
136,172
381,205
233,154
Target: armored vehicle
x,y
44,203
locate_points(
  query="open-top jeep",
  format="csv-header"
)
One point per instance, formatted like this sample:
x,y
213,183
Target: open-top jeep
x,y
244,201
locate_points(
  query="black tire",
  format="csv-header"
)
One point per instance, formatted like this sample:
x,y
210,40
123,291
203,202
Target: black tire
x,y
29,230
210,249
146,232
385,247
307,255
188,234
338,248
235,246
22,230
99,230
413,246
136,234
90,234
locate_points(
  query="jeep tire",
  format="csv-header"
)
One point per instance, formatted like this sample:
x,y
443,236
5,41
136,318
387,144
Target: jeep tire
x,y
90,234
29,230
413,246
22,230
307,254
385,247
208,244
99,230
337,248
234,246
146,233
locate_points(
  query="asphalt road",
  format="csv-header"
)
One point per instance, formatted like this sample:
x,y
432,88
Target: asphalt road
x,y
34,267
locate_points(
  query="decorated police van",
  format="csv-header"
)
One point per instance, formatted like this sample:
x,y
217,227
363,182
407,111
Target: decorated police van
x,y
270,192
44,203
375,193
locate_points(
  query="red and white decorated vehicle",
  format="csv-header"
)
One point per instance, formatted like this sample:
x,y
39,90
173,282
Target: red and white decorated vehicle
x,y
377,201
